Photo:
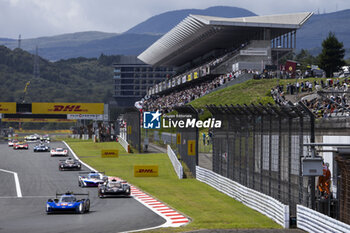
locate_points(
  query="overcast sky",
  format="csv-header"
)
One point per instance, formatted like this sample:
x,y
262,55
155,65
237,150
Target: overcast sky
x,y
35,18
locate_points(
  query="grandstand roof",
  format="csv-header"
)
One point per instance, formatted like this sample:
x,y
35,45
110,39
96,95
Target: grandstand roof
x,y
197,35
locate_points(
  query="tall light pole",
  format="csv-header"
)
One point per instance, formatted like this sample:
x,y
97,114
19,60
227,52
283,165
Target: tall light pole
x,y
278,69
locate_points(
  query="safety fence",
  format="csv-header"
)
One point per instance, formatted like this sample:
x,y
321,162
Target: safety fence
x,y
168,138
176,163
343,162
261,147
187,138
312,221
132,117
260,202
82,137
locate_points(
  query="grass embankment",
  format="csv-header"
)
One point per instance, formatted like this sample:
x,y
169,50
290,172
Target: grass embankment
x,y
208,208
251,91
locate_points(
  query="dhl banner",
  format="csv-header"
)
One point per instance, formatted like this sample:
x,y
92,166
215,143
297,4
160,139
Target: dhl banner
x,y
195,75
38,120
67,108
109,153
145,170
8,107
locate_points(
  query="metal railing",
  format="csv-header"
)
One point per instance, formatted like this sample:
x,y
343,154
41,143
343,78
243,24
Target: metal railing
x,y
260,202
123,142
312,221
176,163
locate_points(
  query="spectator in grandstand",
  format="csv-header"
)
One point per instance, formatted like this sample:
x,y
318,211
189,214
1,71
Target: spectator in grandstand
x,y
336,103
166,103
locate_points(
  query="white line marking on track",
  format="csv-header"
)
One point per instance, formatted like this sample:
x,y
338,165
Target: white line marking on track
x,y
18,186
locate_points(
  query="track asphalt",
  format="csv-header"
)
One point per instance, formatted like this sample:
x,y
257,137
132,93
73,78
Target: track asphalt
x,y
39,179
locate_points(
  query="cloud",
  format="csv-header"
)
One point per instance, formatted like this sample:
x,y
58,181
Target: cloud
x,y
34,18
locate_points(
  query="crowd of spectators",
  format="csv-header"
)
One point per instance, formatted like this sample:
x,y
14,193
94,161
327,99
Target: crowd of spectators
x,y
166,103
333,101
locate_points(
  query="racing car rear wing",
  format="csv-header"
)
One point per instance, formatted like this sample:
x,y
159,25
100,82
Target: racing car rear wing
x,y
72,193
88,172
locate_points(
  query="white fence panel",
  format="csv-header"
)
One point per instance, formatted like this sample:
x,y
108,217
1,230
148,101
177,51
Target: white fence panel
x,y
312,221
124,143
265,204
176,163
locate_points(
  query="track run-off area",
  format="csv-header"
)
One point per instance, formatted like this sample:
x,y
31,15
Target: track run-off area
x,y
28,179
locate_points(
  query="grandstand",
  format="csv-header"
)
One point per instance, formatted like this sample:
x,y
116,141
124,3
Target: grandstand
x,y
260,147
205,48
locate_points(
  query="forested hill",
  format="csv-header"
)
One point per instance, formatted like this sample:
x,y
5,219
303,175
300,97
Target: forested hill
x,y
72,80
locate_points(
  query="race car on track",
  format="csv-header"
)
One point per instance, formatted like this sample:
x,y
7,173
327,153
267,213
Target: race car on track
x,y
45,138
59,152
92,179
68,202
32,138
12,142
41,148
20,145
113,187
69,164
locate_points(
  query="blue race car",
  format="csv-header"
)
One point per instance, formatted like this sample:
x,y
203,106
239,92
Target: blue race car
x,y
68,202
41,148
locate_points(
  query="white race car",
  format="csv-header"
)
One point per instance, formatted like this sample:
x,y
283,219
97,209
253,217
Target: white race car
x,y
12,142
92,179
32,138
45,138
59,152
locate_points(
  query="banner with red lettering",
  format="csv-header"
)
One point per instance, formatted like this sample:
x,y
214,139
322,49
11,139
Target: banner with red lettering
x,y
67,108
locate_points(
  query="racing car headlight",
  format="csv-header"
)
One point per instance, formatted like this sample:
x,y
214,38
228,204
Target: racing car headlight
x,y
102,191
61,165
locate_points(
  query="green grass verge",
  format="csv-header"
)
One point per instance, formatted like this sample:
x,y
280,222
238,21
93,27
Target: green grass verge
x,y
208,208
251,91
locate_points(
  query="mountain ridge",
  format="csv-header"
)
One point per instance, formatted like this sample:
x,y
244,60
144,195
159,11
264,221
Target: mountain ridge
x,y
135,40
164,22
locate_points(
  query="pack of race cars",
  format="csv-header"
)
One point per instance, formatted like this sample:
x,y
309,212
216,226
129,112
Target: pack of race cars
x,y
70,202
